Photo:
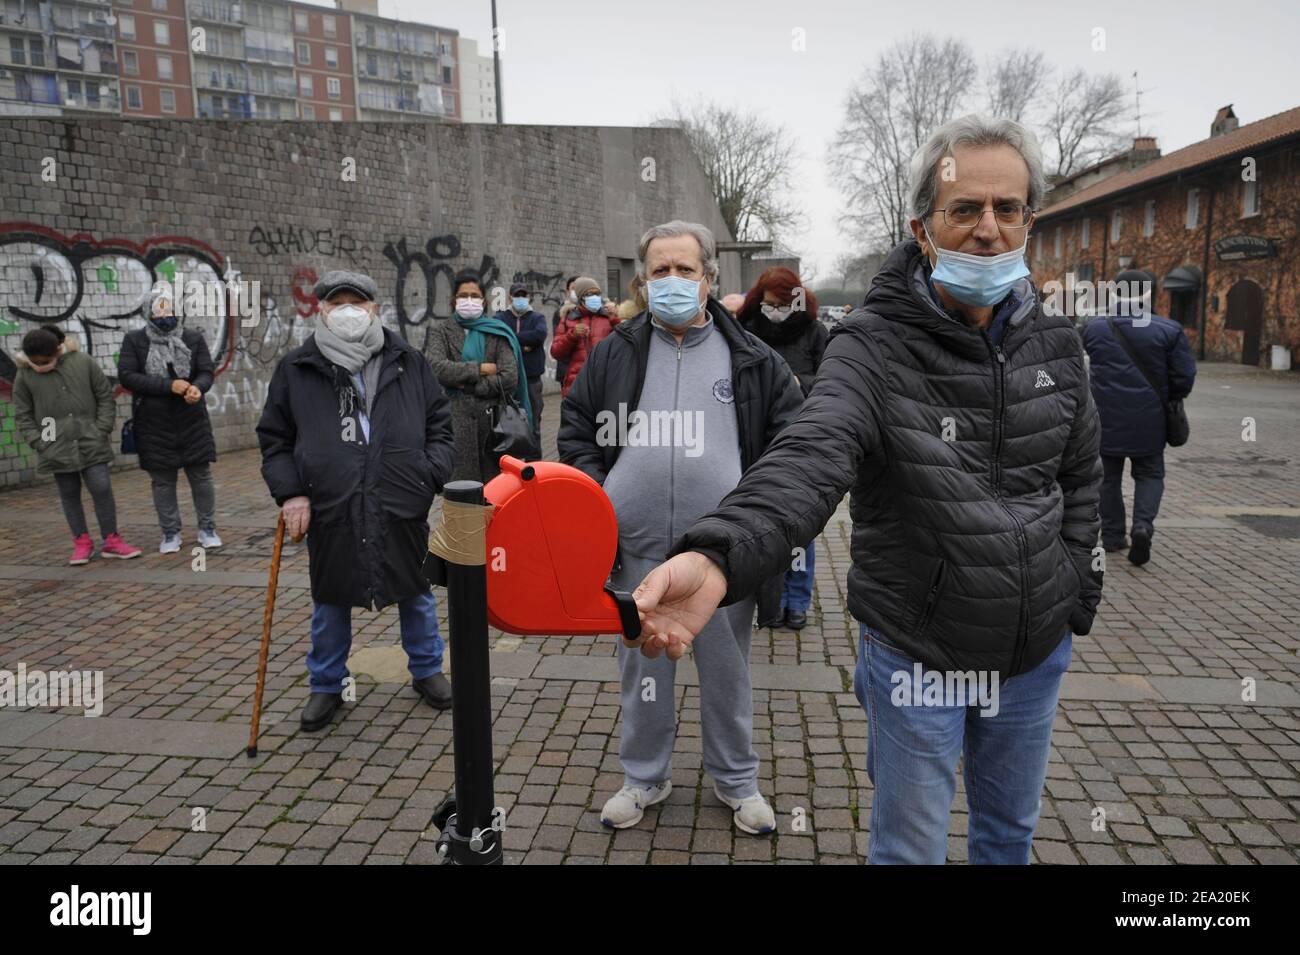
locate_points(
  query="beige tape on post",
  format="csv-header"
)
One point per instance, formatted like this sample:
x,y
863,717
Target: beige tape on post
x,y
461,538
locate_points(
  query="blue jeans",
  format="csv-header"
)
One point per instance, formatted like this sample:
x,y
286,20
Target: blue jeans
x,y
1148,487
796,592
331,639
912,753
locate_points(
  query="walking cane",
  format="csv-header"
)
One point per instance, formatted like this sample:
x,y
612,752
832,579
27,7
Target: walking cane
x,y
267,614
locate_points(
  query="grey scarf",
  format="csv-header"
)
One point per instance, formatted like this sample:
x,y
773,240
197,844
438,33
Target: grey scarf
x,y
167,348
350,356
359,356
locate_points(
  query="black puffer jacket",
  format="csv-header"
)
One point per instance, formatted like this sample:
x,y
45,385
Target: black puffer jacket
x,y
169,433
767,399
370,501
800,340
970,553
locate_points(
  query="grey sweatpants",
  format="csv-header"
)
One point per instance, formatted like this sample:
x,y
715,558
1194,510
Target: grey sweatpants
x,y
721,655
202,489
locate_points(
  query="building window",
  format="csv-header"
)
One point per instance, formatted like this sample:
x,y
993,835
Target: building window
x,y
336,115
300,21
126,27
308,112
160,5
164,66
130,62
1085,233
305,86
1193,207
17,52
133,100
304,53
74,92
332,57
167,100
1149,219
1056,245
1116,224
1249,199
448,101
330,26
162,33
372,65
333,87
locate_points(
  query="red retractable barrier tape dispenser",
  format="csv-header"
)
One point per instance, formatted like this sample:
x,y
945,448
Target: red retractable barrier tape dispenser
x,y
551,540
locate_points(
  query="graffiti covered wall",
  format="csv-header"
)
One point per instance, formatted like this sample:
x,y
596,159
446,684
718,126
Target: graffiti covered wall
x,y
92,213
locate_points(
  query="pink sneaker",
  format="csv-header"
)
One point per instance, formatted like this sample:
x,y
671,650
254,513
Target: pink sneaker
x,y
83,550
114,546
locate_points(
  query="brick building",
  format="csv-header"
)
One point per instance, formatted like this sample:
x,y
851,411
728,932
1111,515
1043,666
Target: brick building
x,y
224,59
1217,223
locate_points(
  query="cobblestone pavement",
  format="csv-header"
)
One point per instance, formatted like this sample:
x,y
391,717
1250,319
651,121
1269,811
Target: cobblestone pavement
x,y
1152,727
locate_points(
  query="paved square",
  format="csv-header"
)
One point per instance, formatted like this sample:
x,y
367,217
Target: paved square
x,y
1156,757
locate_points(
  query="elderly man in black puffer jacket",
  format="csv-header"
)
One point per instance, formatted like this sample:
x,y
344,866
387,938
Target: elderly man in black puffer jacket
x,y
958,412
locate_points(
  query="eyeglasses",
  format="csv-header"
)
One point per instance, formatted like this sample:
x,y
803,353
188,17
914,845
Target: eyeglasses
x,y
967,215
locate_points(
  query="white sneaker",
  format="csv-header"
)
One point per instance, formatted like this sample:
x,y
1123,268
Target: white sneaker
x,y
209,539
171,544
751,814
626,807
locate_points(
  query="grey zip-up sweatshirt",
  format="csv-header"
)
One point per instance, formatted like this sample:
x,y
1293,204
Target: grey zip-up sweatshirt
x,y
681,444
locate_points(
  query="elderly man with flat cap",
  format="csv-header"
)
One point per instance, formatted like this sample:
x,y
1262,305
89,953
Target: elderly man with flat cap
x,y
356,440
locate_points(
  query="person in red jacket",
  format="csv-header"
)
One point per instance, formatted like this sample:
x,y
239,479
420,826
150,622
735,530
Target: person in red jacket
x,y
581,330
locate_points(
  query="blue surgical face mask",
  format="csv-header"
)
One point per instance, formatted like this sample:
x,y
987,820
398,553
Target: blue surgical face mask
x,y
979,280
674,300
519,304
164,323
593,303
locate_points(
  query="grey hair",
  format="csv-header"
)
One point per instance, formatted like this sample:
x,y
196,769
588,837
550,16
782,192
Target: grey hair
x,y
671,230
972,130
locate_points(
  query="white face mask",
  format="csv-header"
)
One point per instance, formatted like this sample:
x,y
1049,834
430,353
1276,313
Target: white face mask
x,y
777,313
348,322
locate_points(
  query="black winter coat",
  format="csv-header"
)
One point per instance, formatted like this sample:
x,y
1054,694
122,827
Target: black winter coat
x,y
370,501
169,433
800,340
969,553
767,399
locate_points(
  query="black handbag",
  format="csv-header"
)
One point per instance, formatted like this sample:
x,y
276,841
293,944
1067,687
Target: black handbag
x,y
128,432
512,431
1177,428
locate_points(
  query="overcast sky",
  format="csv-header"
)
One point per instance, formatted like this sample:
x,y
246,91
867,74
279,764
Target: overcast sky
x,y
619,62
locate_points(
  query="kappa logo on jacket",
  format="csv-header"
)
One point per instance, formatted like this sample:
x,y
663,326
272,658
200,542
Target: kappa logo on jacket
x,y
1044,380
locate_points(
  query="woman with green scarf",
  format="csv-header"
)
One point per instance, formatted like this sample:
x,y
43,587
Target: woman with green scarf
x,y
478,361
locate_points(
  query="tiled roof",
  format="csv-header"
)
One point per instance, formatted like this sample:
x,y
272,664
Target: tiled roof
x,y
1206,152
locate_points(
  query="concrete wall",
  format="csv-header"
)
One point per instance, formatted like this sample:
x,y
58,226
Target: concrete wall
x,y
92,213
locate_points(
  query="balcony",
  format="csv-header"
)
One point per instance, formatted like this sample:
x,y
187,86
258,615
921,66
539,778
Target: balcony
x,y
216,12
263,55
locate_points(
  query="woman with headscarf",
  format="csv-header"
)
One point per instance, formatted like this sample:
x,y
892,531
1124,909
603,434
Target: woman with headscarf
x,y
478,362
780,311
168,370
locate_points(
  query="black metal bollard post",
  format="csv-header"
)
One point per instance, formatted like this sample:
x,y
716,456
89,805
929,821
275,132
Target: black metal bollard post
x,y
468,836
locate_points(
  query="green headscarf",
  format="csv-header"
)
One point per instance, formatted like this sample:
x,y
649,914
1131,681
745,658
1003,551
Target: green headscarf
x,y
475,350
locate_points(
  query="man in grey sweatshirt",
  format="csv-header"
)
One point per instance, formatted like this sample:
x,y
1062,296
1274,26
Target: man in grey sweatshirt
x,y
667,448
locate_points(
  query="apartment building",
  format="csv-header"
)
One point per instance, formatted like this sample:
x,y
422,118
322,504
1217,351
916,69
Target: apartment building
x,y
224,59
477,83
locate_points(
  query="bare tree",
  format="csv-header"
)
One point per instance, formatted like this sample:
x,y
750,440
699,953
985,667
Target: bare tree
x,y
749,164
1014,81
1082,123
915,85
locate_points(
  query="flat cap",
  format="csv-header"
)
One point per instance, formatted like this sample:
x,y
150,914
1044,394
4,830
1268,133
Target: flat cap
x,y
338,279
